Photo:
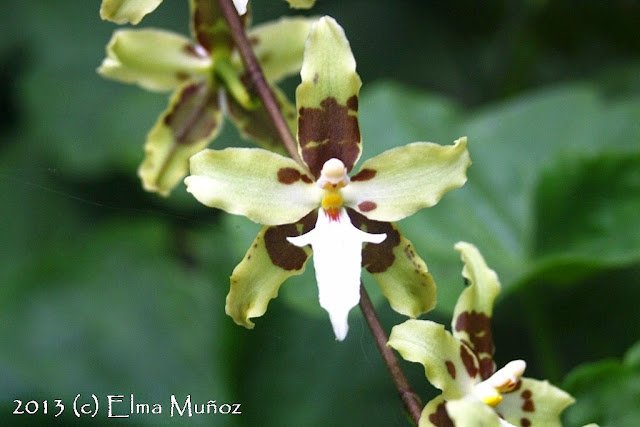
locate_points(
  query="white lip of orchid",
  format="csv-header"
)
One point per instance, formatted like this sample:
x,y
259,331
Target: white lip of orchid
x,y
504,380
337,249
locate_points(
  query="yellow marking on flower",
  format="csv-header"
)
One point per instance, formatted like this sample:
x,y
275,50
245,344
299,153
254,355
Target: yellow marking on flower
x,y
331,203
493,400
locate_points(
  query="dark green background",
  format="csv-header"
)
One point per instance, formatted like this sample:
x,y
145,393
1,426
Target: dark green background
x,y
105,289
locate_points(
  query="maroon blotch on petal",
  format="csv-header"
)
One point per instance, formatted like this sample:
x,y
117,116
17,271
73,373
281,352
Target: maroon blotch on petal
x,y
367,206
376,258
331,131
451,368
364,175
288,175
478,326
192,117
441,418
468,361
282,253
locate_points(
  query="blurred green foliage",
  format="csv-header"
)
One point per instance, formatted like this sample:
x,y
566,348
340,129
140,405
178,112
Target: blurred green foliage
x,y
108,290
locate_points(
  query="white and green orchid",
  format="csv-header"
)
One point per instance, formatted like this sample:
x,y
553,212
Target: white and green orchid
x,y
206,75
461,363
319,205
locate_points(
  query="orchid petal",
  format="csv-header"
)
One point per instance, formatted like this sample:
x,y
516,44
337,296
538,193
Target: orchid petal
x,y
536,401
472,413
337,248
209,27
263,186
127,11
400,181
192,120
268,263
400,272
301,4
327,99
279,46
472,314
448,364
435,414
154,59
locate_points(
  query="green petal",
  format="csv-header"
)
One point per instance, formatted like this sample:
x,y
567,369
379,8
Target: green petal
x,y
209,28
448,364
472,315
256,124
472,413
279,46
400,272
537,401
263,186
154,59
435,414
400,181
192,120
301,4
267,264
327,99
126,11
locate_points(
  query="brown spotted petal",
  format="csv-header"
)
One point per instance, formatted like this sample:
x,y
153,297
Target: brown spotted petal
x,y
265,187
472,315
400,272
400,181
327,99
256,124
268,263
209,27
154,59
534,403
449,365
192,120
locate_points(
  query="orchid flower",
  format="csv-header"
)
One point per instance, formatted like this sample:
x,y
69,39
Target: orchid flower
x,y
320,205
461,363
132,11
206,75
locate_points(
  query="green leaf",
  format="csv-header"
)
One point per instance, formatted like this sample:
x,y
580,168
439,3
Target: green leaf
x,y
607,392
592,217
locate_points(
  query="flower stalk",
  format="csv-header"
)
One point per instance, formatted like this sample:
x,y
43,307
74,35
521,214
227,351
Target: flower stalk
x,y
257,78
261,87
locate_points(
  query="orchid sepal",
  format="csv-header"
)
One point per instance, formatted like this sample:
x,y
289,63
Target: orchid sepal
x,y
263,186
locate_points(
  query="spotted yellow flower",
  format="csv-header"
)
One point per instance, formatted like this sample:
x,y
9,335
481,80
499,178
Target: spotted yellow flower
x,y
461,363
319,204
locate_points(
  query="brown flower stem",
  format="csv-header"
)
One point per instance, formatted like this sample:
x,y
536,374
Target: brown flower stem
x,y
257,77
409,398
254,70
